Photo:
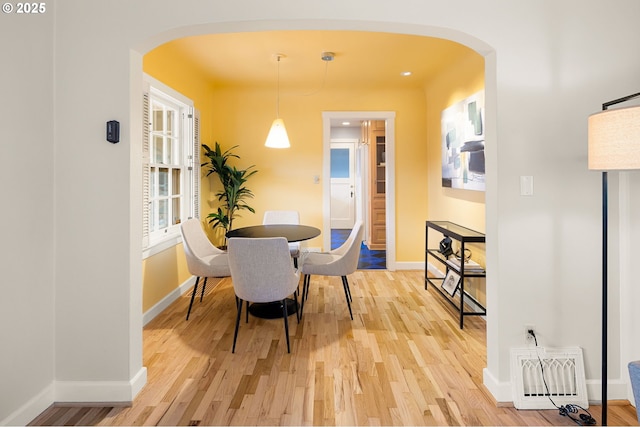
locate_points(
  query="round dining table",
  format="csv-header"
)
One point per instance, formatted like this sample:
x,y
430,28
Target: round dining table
x,y
293,233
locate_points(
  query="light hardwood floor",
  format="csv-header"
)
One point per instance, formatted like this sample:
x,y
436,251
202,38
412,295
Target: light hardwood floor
x,y
401,361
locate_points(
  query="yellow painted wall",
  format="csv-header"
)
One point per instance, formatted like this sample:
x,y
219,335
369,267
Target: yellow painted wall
x,y
463,207
242,116
164,272
285,177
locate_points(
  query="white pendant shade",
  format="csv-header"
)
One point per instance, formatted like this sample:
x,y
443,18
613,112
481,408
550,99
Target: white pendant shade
x,y
277,137
614,139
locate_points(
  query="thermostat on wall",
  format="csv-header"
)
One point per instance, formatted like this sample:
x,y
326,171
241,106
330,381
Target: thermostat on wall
x,y
113,131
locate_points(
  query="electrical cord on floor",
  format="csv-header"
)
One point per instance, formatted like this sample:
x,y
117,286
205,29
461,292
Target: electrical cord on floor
x,y
569,410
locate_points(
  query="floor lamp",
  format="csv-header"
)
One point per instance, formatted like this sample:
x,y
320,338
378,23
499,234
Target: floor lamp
x,y
614,144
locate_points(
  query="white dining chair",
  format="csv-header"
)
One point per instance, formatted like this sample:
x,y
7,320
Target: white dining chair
x,y
204,260
285,217
341,261
261,273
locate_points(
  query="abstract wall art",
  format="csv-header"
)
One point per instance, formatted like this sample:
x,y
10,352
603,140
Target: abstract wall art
x,y
462,128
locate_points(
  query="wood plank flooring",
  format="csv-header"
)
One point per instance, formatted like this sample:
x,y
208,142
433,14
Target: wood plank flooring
x,y
401,361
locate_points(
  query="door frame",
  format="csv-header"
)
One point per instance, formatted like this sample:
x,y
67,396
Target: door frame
x,y
390,171
352,144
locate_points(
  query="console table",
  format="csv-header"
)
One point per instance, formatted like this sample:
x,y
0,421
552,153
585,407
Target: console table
x,y
463,236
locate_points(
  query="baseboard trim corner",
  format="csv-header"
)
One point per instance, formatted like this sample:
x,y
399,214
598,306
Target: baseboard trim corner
x,y
112,392
501,391
30,410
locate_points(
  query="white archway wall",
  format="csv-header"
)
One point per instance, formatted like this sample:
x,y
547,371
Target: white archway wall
x,y
555,63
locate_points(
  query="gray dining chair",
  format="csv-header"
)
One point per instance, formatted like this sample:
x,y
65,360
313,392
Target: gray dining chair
x,y
285,217
204,260
261,272
341,261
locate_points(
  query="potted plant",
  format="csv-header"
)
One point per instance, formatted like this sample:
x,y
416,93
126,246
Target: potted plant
x,y
234,193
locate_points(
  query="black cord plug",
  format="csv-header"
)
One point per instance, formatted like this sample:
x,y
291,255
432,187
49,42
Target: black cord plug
x,y
587,420
584,418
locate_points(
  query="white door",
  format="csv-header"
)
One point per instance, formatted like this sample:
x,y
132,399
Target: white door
x,y
342,185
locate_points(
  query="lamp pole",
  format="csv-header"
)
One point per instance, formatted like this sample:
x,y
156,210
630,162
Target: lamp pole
x,y
605,292
605,221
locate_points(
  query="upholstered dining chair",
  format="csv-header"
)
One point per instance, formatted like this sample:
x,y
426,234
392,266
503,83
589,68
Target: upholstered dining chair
x,y
285,217
203,258
261,273
341,261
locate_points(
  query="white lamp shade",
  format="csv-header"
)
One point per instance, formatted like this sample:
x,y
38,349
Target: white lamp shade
x,y
614,139
277,137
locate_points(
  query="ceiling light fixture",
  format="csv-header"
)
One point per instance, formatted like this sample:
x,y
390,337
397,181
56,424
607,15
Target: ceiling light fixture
x,y
327,56
278,137
405,73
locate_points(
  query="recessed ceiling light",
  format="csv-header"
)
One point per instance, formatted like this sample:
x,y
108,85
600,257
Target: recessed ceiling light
x,y
346,123
405,73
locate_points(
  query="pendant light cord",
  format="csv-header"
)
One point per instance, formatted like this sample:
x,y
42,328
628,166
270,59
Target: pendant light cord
x,y
278,91
324,80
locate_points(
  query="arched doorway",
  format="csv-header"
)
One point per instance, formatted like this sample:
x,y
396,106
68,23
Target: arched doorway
x,y
377,27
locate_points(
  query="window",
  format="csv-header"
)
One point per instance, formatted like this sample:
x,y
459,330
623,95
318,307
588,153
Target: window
x,y
170,165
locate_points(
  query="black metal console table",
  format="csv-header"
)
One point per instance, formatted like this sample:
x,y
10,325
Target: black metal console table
x,y
463,236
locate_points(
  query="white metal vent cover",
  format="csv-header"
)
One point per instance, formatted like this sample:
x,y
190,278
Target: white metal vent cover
x,y
563,372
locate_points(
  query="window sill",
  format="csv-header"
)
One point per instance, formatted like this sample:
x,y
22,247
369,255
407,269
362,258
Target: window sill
x,y
161,245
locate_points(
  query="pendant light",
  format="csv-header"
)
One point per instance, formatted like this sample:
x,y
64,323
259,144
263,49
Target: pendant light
x,y
278,137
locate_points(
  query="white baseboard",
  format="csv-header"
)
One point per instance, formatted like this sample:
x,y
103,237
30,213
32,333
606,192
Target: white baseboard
x,y
165,302
502,392
616,390
111,392
410,265
34,407
84,392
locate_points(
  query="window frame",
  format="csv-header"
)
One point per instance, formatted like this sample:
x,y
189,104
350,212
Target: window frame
x,y
188,153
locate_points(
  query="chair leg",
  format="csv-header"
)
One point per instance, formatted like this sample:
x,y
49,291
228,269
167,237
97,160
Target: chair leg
x,y
295,262
247,302
297,306
204,285
286,322
235,333
345,285
193,294
305,292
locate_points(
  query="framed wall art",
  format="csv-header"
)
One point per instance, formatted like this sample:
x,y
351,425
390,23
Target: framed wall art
x,y
462,128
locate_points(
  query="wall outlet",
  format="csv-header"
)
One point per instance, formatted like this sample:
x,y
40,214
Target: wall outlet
x,y
527,336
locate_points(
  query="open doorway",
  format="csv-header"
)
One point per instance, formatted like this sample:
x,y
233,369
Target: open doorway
x,y
346,178
349,178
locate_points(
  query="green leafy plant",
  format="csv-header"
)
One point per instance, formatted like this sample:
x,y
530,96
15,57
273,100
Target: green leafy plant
x,y
234,193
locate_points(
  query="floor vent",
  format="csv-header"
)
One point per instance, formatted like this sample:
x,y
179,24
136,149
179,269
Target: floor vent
x,y
563,373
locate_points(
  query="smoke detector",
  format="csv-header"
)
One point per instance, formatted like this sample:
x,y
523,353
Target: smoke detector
x,y
327,56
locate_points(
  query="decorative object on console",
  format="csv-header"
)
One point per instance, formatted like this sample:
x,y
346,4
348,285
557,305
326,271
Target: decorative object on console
x,y
451,282
614,144
445,247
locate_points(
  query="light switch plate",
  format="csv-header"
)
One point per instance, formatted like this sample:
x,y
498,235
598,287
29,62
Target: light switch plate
x,y
526,185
